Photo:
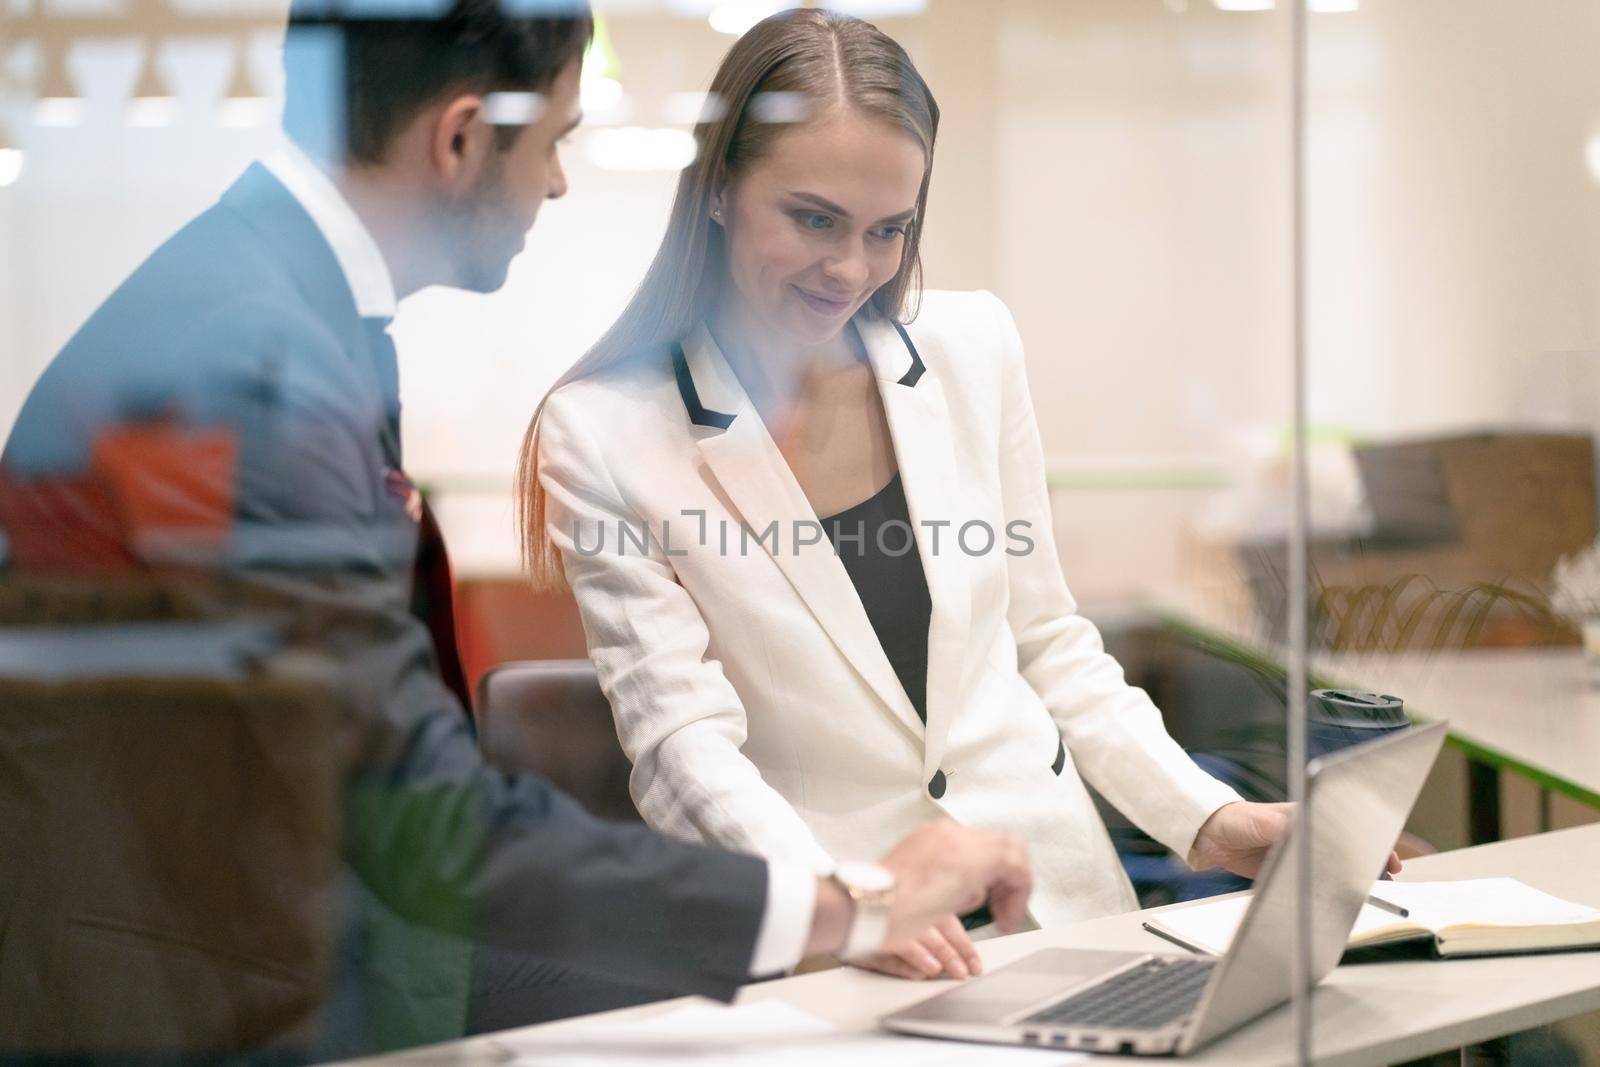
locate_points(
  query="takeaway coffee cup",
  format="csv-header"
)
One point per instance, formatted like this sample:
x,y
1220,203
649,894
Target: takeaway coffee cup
x,y
1339,718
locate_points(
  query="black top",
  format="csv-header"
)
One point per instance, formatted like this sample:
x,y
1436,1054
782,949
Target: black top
x,y
878,547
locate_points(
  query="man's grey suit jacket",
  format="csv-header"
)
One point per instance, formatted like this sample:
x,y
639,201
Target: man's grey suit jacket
x,y
243,323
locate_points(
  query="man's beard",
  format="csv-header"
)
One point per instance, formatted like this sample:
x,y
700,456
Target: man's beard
x,y
484,232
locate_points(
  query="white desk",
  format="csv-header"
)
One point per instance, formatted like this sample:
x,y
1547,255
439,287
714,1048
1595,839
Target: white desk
x,y
1531,711
1533,708
1363,1014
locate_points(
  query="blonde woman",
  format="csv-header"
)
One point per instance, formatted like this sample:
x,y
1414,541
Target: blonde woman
x,y
809,532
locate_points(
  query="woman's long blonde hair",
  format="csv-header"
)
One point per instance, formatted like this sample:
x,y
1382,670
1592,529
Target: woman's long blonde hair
x,y
825,58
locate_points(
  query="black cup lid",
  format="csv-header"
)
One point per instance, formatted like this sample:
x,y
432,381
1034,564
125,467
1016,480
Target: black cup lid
x,y
1350,707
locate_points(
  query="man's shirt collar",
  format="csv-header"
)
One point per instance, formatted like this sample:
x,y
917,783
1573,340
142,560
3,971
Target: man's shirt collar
x,y
357,253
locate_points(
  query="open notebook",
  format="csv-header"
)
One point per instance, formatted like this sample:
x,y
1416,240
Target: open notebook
x,y
1480,916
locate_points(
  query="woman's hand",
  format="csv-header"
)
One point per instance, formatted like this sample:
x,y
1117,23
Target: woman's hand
x,y
944,950
1237,835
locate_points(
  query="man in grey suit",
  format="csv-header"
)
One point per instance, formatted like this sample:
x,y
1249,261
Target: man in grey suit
x,y
228,422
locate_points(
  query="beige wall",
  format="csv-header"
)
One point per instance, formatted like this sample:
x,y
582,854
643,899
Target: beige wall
x,y
1455,230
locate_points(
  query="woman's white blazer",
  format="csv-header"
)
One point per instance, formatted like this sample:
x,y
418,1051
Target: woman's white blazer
x,y
750,691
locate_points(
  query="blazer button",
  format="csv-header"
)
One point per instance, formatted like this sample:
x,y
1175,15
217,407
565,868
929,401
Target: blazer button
x,y
936,787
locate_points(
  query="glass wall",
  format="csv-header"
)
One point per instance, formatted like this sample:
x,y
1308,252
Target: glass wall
x,y
1451,346
1120,174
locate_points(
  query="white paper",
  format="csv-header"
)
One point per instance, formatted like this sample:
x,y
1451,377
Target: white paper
x,y
1433,906
772,1033
1482,902
1210,926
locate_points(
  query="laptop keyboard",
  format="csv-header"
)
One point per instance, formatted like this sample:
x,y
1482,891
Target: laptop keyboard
x,y
1146,997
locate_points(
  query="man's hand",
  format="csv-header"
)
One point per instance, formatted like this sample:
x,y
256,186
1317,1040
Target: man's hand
x,y
940,869
943,869
1237,835
944,949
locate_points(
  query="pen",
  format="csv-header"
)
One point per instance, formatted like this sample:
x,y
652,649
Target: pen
x,y
1394,909
1163,935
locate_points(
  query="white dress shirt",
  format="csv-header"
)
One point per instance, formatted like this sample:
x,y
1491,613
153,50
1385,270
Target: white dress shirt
x,y
358,254
791,887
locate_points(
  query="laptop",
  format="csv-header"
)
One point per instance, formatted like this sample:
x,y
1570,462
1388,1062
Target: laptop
x,y
1157,1003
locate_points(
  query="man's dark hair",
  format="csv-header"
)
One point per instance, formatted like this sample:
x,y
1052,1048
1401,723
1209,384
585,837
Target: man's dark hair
x,y
393,67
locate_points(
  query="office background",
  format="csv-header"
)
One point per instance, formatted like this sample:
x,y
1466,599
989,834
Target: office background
x,y
1116,170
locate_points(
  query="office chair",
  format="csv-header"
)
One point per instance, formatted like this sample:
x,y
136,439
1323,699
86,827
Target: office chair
x,y
172,850
550,718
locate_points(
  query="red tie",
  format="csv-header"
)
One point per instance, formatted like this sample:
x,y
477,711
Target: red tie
x,y
432,590
433,601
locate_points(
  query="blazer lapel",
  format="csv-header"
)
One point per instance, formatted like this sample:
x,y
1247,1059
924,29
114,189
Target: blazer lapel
x,y
284,226
745,461
919,424
263,204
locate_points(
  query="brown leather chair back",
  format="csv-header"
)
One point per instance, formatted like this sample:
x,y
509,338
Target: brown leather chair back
x,y
171,855
550,718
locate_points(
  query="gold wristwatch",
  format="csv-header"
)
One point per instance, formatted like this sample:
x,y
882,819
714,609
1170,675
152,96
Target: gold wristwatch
x,y
871,888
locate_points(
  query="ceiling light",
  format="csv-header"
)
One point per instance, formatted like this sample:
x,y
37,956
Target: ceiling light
x,y
737,16
635,148
879,9
689,109
245,105
513,109
599,94
58,102
152,103
10,159
1320,7
780,107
